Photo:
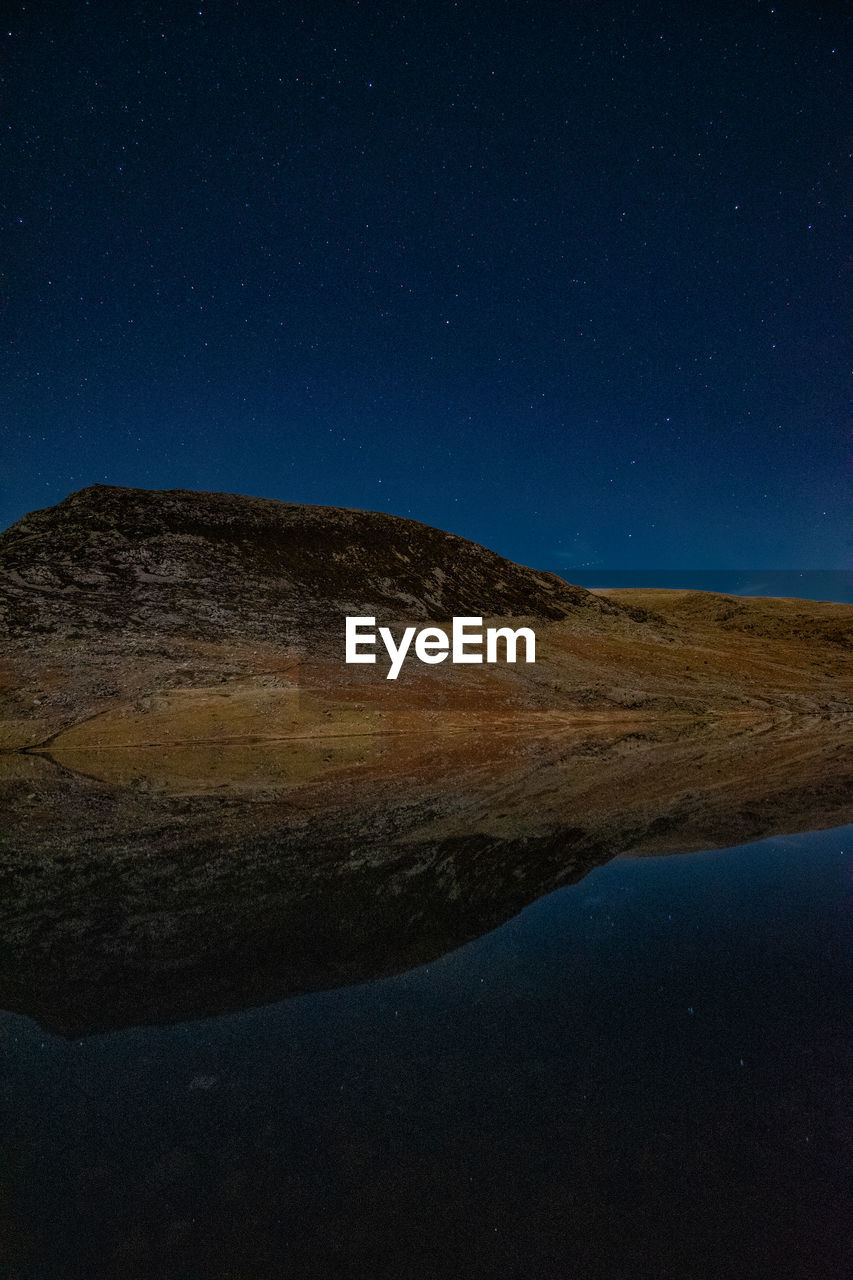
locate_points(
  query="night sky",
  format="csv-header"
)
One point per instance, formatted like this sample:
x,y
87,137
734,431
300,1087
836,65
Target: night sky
x,y
565,278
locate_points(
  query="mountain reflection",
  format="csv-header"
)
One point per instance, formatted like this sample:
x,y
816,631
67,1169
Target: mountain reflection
x,y
158,885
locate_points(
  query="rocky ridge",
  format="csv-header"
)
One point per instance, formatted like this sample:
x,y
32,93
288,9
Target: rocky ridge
x,y
132,616
219,566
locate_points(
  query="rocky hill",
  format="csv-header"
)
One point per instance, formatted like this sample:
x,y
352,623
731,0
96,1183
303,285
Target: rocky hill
x,y
135,618
217,565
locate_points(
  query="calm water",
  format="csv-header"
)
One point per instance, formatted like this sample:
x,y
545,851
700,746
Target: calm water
x,y
640,1076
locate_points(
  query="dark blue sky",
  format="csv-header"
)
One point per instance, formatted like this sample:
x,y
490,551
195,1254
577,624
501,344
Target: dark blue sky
x,y
561,277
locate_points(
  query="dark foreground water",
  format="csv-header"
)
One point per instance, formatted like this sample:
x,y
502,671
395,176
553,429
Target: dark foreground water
x,y
641,1076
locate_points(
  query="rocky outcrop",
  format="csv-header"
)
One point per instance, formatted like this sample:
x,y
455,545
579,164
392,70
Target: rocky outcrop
x,y
132,616
219,566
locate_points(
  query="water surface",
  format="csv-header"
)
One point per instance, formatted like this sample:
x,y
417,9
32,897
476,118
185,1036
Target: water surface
x,y
640,1075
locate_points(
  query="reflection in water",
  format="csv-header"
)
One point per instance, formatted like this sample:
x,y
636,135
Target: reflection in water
x,y
639,1076
143,885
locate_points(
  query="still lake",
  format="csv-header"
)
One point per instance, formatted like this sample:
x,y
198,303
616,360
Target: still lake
x,y
642,1075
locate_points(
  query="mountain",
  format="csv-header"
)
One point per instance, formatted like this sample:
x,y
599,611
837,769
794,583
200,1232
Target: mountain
x,y
132,617
220,566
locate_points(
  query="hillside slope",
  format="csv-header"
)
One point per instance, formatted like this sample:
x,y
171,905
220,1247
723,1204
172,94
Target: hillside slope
x,y
219,565
133,617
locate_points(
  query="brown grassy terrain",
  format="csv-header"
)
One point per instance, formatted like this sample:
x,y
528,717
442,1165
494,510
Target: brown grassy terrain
x,y
206,807
133,617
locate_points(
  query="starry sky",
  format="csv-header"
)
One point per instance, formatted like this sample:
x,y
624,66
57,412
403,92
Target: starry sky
x,y
565,278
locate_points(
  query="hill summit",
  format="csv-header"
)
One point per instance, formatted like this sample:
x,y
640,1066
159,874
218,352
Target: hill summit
x,y
219,565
